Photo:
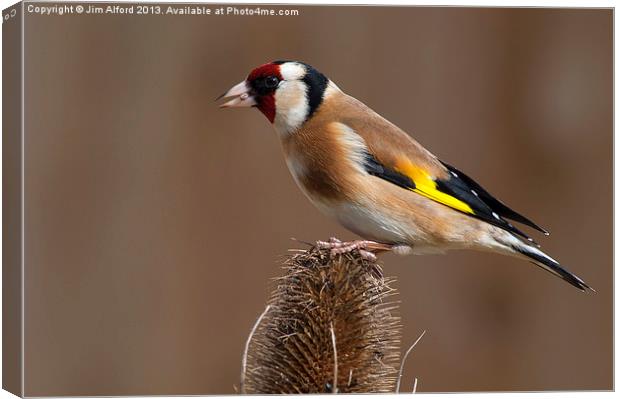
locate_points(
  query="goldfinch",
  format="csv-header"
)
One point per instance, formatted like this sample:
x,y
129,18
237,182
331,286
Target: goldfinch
x,y
373,178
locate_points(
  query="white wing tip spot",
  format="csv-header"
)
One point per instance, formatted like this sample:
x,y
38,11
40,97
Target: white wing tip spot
x,y
454,174
495,215
474,192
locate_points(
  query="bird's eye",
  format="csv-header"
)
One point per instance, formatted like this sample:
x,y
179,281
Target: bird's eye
x,y
271,82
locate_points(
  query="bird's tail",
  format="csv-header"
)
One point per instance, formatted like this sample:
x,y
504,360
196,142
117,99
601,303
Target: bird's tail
x,y
539,258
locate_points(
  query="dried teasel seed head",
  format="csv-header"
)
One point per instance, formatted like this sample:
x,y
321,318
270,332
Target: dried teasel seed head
x,y
328,328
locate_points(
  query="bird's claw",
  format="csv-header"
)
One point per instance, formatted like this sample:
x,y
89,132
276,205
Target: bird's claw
x,y
365,248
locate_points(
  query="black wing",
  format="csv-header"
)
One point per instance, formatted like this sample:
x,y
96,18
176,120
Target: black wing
x,y
499,207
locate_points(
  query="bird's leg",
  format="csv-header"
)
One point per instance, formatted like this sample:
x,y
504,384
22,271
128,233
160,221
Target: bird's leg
x,y
367,249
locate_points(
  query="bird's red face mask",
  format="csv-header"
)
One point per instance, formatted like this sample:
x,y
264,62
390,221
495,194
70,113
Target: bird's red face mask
x,y
258,90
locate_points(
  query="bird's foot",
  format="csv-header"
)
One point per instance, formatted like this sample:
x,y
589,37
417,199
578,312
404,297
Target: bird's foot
x,y
367,249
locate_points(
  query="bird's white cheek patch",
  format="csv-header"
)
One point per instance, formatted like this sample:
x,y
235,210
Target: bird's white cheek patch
x,y
291,107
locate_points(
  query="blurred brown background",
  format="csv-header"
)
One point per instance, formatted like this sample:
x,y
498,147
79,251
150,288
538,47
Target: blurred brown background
x,y
154,220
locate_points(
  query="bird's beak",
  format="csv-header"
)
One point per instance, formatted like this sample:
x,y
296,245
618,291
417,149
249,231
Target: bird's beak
x,y
242,94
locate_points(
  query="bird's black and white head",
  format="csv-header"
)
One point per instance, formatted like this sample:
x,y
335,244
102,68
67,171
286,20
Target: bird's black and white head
x,y
286,92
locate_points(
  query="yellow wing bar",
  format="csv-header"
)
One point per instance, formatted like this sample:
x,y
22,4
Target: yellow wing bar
x,y
426,186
